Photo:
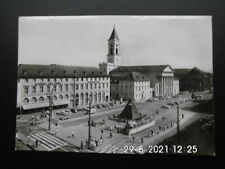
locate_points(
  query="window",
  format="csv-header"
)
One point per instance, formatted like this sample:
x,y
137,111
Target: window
x,y
86,85
95,86
99,86
103,85
82,86
26,89
66,86
111,51
117,51
77,86
41,88
48,88
34,89
60,88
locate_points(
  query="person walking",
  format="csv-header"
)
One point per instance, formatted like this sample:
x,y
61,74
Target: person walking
x,y
81,144
73,134
133,138
142,140
110,134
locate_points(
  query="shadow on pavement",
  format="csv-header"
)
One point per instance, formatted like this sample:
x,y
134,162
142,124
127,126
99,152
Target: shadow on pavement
x,y
203,106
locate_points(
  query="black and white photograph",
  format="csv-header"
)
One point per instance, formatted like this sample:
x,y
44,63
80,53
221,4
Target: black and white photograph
x,y
116,84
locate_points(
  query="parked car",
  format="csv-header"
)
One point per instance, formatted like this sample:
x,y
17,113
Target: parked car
x,y
165,107
111,104
64,117
68,112
103,105
64,112
98,106
73,110
36,122
171,103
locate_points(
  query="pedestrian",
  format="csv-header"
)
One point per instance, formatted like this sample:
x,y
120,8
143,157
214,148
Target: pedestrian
x,y
30,131
36,143
92,123
114,117
73,134
96,143
81,144
133,139
110,134
182,116
142,140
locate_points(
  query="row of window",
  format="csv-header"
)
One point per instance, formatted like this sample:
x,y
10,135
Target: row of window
x,y
66,79
92,86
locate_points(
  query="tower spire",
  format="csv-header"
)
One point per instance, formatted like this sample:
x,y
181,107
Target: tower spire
x,y
114,34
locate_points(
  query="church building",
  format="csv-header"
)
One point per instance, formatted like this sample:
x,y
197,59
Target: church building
x,y
138,83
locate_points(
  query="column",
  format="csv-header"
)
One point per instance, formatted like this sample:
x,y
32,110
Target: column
x,y
84,103
164,85
161,93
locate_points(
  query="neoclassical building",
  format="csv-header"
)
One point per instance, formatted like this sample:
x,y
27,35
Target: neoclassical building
x,y
158,78
69,86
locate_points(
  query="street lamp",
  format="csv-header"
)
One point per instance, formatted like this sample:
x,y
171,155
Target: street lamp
x,y
89,123
50,103
178,125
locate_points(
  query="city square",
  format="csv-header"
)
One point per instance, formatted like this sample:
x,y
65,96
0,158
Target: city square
x,y
126,104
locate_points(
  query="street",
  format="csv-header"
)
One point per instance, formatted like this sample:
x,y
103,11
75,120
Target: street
x,y
61,136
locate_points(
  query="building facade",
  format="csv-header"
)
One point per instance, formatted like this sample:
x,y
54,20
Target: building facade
x,y
66,85
160,79
194,79
134,86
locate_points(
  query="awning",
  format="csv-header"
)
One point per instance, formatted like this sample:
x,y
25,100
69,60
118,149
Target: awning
x,y
45,104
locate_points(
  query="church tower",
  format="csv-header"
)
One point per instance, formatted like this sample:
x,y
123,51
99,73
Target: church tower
x,y
113,56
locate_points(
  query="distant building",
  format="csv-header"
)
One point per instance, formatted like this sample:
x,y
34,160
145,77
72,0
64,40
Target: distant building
x,y
176,87
143,82
71,85
137,83
194,79
133,86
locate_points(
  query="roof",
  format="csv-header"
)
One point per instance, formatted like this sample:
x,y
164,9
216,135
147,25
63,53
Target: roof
x,y
32,70
181,71
146,68
130,112
136,76
114,35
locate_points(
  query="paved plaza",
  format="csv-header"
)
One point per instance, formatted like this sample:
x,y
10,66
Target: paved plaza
x,y
75,130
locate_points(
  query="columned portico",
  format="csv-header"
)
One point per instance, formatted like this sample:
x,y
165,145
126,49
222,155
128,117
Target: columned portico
x,y
166,88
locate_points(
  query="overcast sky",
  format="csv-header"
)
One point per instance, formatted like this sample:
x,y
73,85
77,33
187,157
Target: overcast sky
x,y
180,41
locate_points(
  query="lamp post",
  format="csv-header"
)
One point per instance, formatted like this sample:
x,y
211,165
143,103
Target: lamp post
x,y
89,123
178,125
50,103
